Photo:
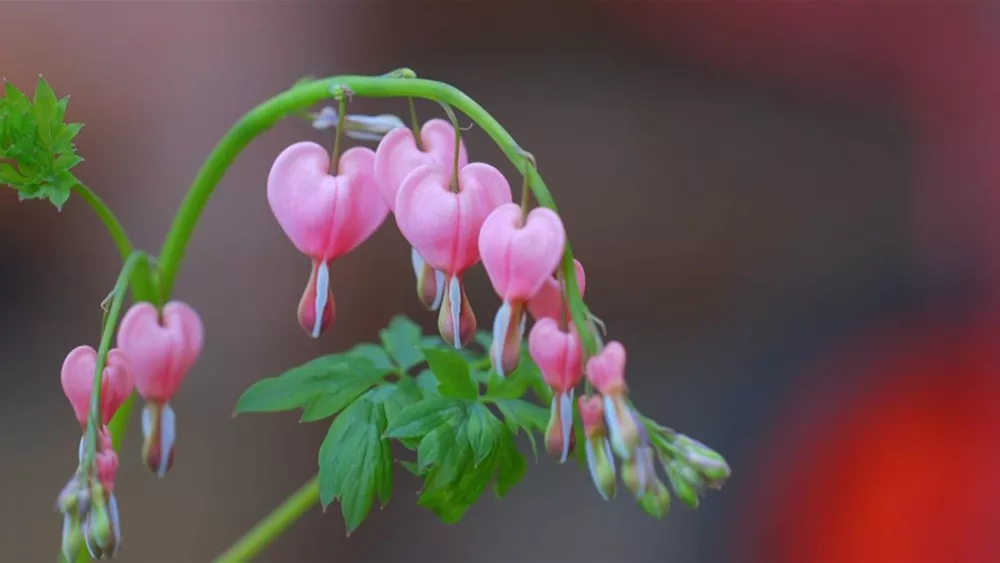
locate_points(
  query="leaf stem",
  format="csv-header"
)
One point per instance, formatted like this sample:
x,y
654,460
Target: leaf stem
x,y
267,114
94,415
111,222
261,535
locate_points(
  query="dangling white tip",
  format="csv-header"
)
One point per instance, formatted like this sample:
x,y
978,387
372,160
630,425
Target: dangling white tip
x,y
322,294
566,419
168,433
455,294
501,324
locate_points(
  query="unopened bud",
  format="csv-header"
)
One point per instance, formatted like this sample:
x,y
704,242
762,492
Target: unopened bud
x,y
656,501
639,472
508,332
705,460
623,429
687,483
456,321
601,462
430,282
101,527
72,537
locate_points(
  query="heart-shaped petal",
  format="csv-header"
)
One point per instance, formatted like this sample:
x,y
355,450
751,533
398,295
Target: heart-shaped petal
x,y
518,258
443,225
397,155
160,355
547,302
325,216
558,353
77,377
606,371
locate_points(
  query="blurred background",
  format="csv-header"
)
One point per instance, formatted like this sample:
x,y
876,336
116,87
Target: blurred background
x,y
788,212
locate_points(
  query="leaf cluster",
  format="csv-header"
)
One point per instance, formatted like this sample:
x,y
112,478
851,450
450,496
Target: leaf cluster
x,y
36,146
446,406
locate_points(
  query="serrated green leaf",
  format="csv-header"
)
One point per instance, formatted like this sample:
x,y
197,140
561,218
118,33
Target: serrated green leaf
x,y
45,110
341,449
401,340
511,465
427,382
66,135
434,446
451,502
512,387
452,372
412,468
421,418
451,465
384,473
16,98
435,341
484,428
295,387
404,393
519,414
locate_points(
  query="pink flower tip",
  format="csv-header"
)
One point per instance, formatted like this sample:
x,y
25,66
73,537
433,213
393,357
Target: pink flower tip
x,y
77,377
606,371
520,253
558,353
160,348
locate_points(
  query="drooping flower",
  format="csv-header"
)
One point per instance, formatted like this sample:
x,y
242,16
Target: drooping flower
x,y
161,349
325,216
396,156
443,226
600,459
606,372
559,356
519,254
548,301
77,375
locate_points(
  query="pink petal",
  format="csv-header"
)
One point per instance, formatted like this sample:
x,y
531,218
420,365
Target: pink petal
x,y
558,353
160,356
547,302
443,226
606,371
519,259
397,155
77,377
325,216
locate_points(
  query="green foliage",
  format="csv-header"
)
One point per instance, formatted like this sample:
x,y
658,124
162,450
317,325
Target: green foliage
x,y
36,146
442,414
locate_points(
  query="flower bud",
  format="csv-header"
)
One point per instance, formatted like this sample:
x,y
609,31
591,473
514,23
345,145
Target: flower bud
x,y
656,501
72,536
456,321
559,436
101,528
639,472
686,482
430,282
705,460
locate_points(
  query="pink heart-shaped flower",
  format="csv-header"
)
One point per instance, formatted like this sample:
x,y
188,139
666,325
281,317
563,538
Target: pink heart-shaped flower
x,y
547,301
325,216
397,155
606,371
160,355
558,353
77,376
443,225
520,258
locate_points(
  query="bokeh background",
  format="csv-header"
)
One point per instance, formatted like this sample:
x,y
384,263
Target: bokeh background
x,y
788,212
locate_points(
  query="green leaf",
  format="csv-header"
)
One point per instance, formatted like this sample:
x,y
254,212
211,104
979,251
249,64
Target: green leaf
x,y
484,339
511,465
341,390
483,431
297,386
452,372
454,459
355,463
403,394
452,501
412,468
421,418
45,110
520,414
402,341
434,446
375,354
428,383
435,341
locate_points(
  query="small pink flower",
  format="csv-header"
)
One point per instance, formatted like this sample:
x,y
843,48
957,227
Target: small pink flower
x,y
107,468
600,460
396,156
559,356
519,255
161,351
606,372
443,226
77,376
548,301
325,216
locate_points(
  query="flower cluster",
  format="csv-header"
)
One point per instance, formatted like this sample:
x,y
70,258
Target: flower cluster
x,y
156,349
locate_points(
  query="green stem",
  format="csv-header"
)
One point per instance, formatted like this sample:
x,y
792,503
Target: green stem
x,y
111,222
335,155
261,535
415,125
94,415
300,97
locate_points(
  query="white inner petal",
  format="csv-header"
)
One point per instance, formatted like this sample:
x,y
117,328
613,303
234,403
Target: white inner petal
x,y
439,280
322,294
417,261
501,323
455,295
147,422
168,433
566,418
116,526
592,465
614,430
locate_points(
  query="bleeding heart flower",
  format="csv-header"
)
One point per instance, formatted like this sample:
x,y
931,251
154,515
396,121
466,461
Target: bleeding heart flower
x,y
606,372
325,216
77,376
398,155
443,226
519,254
548,301
559,356
161,350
